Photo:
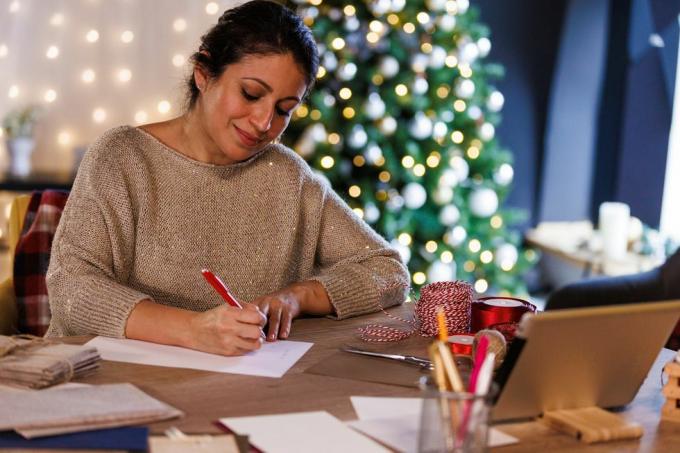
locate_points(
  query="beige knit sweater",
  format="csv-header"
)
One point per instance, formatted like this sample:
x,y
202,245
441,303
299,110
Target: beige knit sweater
x,y
142,221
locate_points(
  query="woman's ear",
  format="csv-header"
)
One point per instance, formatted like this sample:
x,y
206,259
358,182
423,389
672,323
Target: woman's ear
x,y
200,78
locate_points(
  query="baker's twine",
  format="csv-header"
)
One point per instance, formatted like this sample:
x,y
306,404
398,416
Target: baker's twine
x,y
455,298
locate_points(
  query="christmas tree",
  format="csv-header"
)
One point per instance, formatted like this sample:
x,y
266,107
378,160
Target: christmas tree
x,y
402,123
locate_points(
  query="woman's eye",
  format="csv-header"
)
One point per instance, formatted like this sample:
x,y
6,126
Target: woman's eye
x,y
282,112
248,96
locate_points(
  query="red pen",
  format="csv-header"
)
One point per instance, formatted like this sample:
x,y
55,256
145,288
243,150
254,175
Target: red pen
x,y
220,287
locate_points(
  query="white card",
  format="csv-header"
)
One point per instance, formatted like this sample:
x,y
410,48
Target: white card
x,y
272,360
302,432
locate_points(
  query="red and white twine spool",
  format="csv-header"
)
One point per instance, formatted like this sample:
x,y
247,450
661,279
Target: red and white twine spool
x,y
455,298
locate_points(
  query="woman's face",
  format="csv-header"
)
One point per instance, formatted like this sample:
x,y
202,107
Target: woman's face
x,y
249,105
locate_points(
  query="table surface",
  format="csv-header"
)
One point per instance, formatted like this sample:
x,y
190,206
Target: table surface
x,y
206,396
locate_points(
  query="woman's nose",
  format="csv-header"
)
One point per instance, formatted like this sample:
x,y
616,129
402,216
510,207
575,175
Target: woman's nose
x,y
262,119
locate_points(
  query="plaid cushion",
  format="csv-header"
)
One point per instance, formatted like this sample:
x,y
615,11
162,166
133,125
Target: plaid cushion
x,y
32,257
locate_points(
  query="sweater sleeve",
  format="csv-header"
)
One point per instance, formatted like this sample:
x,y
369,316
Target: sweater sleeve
x,y
92,252
356,266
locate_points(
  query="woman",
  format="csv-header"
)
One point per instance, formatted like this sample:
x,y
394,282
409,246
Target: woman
x,y
152,206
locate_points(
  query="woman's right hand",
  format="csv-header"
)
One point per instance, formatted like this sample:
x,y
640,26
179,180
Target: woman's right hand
x,y
227,330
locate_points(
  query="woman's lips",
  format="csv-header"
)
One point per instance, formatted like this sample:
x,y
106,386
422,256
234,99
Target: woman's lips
x,y
246,138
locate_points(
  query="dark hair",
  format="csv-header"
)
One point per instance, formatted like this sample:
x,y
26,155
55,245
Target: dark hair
x,y
258,27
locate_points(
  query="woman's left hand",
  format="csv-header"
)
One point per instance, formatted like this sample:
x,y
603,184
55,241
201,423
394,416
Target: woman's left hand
x,y
286,304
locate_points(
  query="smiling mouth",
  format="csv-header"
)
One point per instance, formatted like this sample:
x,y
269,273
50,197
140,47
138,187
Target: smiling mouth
x,y
246,138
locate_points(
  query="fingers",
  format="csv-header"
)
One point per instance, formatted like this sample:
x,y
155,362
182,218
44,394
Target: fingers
x,y
286,321
252,314
274,323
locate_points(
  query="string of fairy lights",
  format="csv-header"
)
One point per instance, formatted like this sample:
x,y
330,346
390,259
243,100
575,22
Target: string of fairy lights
x,y
65,22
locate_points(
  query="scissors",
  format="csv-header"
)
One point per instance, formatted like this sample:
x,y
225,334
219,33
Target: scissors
x,y
411,360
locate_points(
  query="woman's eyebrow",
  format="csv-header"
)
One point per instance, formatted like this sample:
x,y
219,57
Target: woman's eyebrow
x,y
269,89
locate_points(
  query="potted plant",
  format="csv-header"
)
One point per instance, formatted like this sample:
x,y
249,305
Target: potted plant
x,y
18,128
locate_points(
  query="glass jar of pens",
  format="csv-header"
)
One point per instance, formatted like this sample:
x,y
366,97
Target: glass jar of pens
x,y
455,416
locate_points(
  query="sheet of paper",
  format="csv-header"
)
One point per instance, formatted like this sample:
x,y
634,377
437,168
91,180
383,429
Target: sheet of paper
x,y
302,432
193,444
272,360
401,432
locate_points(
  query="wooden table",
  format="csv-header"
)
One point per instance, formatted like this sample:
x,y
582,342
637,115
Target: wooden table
x,y
206,396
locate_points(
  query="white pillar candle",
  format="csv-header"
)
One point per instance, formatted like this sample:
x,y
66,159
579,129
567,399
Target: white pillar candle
x,y
614,220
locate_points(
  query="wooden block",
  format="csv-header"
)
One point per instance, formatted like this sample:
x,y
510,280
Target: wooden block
x,y
671,390
592,424
672,369
671,410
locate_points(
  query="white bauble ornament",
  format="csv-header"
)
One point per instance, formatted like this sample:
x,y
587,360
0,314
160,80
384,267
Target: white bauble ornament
x,y
447,116
395,202
443,195
449,215
437,57
330,62
358,137
441,272
312,135
347,71
506,255
335,14
389,66
484,46
380,7
504,174
373,153
421,126
352,23
398,5
414,195
329,100
388,125
495,101
483,202
460,166
435,5
463,6
317,132
456,236
374,106
449,178
474,112
465,88
439,130
487,132
404,250
447,22
419,62
469,52
420,85
371,213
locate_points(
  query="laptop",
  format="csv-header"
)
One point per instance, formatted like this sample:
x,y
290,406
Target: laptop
x,y
581,357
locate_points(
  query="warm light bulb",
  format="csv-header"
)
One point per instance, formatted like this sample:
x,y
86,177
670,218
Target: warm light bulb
x,y
92,36
354,191
446,257
163,106
333,138
408,161
327,162
475,246
141,117
349,10
124,75
178,60
401,90
423,17
451,61
64,138
57,19
52,52
127,36
345,93
99,115
88,76
338,43
321,72
419,170
50,96
431,246
457,137
179,25
348,112
405,239
496,221
409,27
212,8
419,278
486,256
481,285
